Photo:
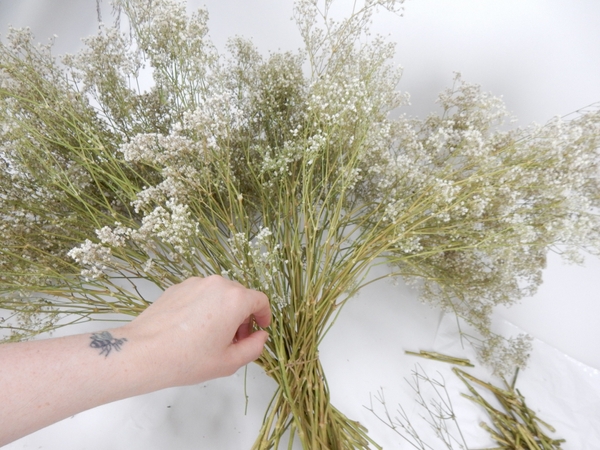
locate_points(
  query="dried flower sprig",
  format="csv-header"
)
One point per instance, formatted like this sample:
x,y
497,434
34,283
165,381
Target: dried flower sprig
x,y
292,181
441,357
433,397
514,424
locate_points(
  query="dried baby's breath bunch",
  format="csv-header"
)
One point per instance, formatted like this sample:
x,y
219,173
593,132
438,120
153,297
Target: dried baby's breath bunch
x,y
285,173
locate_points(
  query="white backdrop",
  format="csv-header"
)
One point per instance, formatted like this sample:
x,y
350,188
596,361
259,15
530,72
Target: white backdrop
x,y
542,56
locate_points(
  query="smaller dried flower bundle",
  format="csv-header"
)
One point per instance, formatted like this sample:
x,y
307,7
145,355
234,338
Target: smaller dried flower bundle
x,y
515,426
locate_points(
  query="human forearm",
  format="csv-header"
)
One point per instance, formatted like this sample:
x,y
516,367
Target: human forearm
x,y
45,381
197,330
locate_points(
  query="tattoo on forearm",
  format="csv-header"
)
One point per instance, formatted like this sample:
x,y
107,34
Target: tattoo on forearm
x,y
106,342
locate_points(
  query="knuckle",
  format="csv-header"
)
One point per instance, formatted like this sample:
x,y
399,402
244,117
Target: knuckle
x,y
212,279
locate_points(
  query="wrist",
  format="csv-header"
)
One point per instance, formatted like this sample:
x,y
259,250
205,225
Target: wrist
x,y
149,370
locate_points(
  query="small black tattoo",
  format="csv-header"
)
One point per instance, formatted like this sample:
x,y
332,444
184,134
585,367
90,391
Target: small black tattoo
x,y
106,342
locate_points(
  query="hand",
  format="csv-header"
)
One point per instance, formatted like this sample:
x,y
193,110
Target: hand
x,y
198,330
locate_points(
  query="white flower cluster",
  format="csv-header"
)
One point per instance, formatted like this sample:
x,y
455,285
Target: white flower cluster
x,y
158,150
171,224
482,206
179,160
114,237
258,262
278,163
95,258
175,45
503,355
215,118
107,58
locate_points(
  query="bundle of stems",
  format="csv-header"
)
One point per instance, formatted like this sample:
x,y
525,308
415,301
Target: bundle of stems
x,y
515,426
441,357
286,174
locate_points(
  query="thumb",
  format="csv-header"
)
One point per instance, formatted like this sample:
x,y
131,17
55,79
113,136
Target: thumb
x,y
248,349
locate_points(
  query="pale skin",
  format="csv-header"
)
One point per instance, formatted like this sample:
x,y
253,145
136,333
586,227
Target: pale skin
x,y
196,331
